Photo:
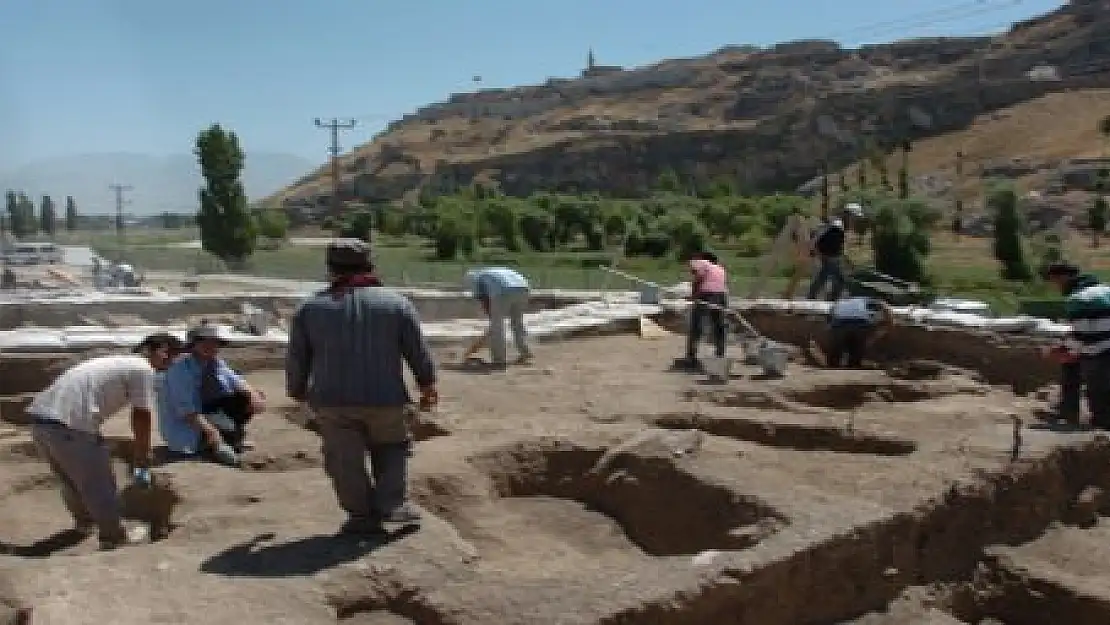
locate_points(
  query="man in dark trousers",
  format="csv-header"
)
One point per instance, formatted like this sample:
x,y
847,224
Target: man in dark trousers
x,y
710,294
205,406
1087,309
346,347
828,247
855,325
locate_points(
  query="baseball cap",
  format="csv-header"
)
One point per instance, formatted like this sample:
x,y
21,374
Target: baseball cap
x,y
348,253
159,340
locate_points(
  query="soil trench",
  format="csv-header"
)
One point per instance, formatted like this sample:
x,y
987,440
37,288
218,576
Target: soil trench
x,y
789,435
661,509
844,578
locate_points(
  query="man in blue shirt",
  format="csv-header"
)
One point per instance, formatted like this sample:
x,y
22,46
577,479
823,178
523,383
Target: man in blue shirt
x,y
204,404
855,325
503,292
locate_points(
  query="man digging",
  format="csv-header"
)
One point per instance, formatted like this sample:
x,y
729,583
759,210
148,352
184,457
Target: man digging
x,y
503,294
346,348
67,418
855,325
1087,309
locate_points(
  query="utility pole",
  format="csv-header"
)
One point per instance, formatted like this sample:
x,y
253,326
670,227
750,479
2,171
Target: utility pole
x,y
335,125
119,190
958,219
825,199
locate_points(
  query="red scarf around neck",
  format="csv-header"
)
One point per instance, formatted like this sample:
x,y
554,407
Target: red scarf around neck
x,y
346,283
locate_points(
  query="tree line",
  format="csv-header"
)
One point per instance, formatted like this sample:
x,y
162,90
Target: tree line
x,y
22,218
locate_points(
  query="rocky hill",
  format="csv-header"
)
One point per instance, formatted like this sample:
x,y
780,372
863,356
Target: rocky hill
x,y
766,118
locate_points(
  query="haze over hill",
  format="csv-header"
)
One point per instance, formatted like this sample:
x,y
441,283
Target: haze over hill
x,y
161,183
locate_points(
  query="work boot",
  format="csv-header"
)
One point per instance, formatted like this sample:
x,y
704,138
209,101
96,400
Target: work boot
x,y
84,527
404,514
361,526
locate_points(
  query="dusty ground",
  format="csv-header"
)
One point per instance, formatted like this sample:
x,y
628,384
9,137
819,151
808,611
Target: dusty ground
x,y
554,500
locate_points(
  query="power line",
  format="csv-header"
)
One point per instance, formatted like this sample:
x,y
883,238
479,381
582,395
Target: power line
x,y
119,190
335,125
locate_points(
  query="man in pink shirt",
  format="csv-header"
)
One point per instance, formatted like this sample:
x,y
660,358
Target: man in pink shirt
x,y
710,295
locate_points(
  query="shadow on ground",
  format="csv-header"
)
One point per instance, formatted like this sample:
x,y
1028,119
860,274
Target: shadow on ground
x,y
300,557
44,547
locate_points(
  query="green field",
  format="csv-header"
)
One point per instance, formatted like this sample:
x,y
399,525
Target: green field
x,y
959,267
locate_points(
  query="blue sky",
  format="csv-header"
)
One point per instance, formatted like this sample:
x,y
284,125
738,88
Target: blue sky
x,y
81,76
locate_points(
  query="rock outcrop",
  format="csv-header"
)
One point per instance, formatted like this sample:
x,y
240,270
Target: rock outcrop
x,y
766,118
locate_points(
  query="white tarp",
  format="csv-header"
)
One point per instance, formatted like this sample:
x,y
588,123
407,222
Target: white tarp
x,y
546,322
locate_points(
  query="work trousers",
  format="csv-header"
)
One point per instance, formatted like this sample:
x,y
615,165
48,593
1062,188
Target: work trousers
x,y
847,343
82,463
349,434
233,430
510,304
1071,392
830,270
1096,377
708,306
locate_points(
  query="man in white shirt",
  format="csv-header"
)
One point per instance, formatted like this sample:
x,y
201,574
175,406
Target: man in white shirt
x,y
67,418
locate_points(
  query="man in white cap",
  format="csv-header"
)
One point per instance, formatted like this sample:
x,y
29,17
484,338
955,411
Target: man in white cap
x,y
828,246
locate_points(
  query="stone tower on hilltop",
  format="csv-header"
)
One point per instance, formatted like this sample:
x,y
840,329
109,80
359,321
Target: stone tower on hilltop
x,y
592,69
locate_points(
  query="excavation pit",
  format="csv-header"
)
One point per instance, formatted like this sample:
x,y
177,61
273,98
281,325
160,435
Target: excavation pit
x,y
664,510
794,436
856,395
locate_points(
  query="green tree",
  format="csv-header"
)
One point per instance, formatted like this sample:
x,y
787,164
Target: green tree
x,y
21,215
900,239
1008,248
904,170
12,209
357,225
71,213
227,228
668,182
1096,218
172,221
47,215
272,224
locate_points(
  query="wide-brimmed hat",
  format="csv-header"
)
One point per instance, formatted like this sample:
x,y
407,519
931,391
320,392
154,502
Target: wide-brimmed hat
x,y
205,332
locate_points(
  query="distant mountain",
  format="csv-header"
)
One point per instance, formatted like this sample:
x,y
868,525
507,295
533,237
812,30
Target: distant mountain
x,y
161,183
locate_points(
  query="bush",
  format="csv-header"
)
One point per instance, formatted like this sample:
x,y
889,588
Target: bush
x,y
1008,248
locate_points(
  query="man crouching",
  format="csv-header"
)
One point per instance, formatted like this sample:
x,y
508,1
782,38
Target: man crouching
x,y
855,325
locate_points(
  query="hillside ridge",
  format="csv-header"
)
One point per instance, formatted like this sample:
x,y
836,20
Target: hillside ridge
x,y
768,119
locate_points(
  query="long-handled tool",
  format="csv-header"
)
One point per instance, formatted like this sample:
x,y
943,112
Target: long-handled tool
x,y
731,312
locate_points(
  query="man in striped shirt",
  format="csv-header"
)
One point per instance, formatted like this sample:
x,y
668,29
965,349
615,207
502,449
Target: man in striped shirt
x,y
348,345
1087,309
